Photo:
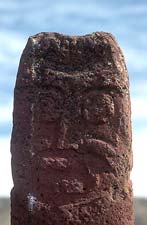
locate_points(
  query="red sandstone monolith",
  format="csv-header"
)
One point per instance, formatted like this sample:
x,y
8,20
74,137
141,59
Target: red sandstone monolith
x,y
71,139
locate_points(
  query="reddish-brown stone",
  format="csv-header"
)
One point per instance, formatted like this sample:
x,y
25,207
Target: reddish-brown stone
x,y
71,139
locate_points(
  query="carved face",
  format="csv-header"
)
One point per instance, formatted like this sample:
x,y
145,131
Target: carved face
x,y
78,116
80,90
76,113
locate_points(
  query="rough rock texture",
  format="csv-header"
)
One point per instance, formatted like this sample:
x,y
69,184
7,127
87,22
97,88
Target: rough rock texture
x,y
71,139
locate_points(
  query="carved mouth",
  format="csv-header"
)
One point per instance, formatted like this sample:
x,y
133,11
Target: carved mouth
x,y
99,146
92,145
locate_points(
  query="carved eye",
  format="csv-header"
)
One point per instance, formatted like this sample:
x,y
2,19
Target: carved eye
x,y
98,107
50,105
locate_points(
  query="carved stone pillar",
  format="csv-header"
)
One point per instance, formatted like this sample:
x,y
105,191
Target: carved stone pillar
x,y
71,139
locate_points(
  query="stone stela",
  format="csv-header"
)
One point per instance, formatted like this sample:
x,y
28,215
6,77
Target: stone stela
x,y
71,138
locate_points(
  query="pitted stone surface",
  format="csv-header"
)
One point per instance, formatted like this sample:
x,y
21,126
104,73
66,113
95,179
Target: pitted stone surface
x,y
71,139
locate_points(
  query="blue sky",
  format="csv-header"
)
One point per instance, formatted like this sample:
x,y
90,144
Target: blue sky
x,y
126,20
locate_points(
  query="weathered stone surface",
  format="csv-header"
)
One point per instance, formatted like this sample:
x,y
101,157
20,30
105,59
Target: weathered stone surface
x,y
71,139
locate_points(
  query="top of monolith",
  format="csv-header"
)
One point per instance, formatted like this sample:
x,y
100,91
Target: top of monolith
x,y
73,56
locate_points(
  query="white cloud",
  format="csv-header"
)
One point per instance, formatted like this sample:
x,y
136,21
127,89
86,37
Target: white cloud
x,y
11,48
140,163
5,167
11,42
139,108
6,112
135,58
140,90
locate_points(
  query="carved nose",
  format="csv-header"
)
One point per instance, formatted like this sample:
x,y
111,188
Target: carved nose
x,y
61,136
71,116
